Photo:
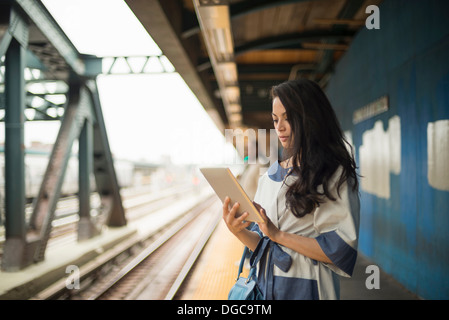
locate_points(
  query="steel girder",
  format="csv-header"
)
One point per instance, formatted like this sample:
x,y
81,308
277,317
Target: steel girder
x,y
26,242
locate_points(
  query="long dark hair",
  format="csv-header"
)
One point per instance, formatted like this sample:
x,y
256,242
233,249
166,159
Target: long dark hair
x,y
319,145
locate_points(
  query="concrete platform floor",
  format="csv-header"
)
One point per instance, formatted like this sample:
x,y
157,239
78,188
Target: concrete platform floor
x,y
215,272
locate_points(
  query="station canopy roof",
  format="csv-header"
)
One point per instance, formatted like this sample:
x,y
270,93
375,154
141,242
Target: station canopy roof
x,y
230,53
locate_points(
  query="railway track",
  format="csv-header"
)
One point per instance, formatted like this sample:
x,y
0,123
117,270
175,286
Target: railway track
x,y
136,203
130,268
159,270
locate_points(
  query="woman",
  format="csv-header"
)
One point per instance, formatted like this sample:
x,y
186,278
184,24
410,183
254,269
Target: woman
x,y
309,201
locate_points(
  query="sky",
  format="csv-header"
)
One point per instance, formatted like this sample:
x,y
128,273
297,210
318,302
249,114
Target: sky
x,y
148,117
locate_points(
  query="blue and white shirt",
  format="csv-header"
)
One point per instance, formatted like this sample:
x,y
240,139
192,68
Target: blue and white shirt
x,y
285,274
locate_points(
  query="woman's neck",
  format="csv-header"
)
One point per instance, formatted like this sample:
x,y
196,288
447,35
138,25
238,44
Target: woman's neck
x,y
287,163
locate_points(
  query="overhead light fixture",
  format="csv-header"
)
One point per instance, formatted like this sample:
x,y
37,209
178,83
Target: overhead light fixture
x,y
223,40
217,26
236,118
229,72
234,108
214,19
232,94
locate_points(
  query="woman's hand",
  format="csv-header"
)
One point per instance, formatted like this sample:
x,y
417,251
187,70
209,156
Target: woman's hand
x,y
267,227
234,224
303,245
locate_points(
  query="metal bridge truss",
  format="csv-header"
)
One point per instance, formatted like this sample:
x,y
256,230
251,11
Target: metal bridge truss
x,y
44,77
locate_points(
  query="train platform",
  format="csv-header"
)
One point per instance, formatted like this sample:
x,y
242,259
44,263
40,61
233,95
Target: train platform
x,y
215,272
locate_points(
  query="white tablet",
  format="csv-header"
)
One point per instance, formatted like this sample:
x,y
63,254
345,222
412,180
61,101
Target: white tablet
x,y
225,184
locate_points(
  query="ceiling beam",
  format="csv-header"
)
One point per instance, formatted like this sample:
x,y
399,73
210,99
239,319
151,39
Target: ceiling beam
x,y
293,40
241,8
348,11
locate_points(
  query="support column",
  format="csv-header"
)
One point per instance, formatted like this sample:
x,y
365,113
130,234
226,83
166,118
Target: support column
x,y
50,189
86,227
15,224
104,171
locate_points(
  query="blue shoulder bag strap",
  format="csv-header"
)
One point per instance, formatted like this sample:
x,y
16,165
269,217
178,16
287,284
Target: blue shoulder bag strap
x,y
242,261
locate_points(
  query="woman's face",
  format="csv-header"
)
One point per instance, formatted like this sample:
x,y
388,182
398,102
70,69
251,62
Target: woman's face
x,y
281,123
